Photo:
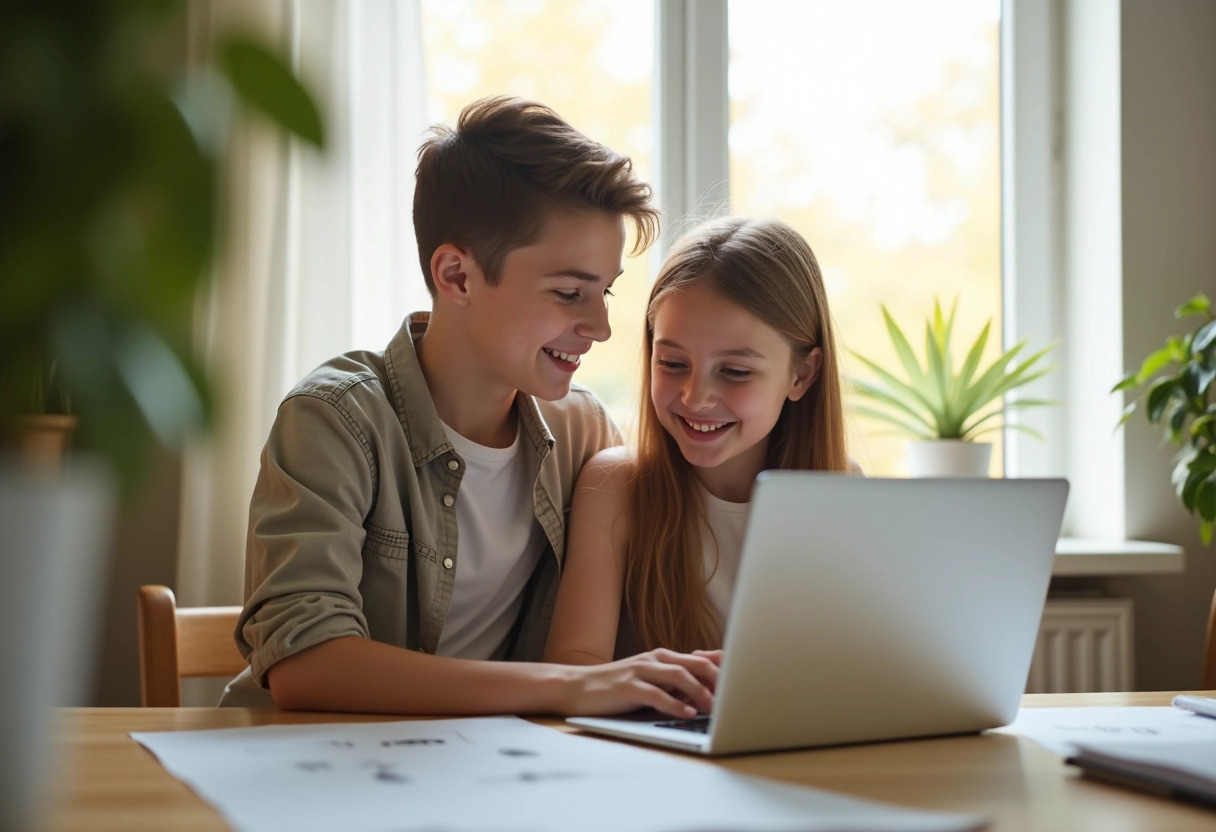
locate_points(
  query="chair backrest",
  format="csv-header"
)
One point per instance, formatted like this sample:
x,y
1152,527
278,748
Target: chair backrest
x,y
1209,655
176,643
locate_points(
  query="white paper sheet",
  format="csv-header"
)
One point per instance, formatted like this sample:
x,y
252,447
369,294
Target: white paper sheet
x,y
493,774
1062,729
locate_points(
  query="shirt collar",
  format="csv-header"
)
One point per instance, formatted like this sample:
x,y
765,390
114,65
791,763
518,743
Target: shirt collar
x,y
416,410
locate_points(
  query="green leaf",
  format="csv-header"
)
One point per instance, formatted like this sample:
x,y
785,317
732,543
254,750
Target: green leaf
x,y
1014,405
979,394
176,229
1020,370
887,418
1026,429
1192,470
1205,532
1182,468
1128,382
1127,412
160,384
1017,379
906,395
1204,339
890,399
1201,460
1201,425
266,84
1190,489
1204,376
971,362
903,349
1177,420
937,369
1158,396
1198,305
1156,361
944,331
1205,500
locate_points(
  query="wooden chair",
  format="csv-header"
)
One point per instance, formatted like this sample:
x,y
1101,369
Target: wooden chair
x,y
176,643
1209,655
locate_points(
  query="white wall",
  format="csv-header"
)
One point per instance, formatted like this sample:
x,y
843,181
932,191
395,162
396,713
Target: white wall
x,y
1168,98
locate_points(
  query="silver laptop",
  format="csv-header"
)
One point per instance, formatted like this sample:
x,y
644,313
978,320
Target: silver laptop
x,y
874,609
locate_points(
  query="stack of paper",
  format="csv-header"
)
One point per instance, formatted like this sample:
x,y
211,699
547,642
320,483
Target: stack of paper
x,y
1183,769
491,774
1165,750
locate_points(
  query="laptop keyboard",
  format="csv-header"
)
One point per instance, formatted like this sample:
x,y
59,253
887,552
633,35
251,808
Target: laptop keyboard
x,y
698,724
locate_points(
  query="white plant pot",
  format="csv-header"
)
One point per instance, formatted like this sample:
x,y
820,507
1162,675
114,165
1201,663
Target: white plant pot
x,y
948,458
54,547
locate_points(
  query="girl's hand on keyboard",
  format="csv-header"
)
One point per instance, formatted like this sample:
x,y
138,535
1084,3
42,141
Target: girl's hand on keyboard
x,y
678,684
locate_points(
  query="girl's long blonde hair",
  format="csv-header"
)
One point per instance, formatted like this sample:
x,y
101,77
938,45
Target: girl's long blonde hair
x,y
766,267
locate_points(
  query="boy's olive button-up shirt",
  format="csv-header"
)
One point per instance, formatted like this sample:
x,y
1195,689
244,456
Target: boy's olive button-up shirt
x,y
352,525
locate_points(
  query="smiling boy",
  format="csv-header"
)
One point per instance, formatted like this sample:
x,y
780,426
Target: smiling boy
x,y
408,522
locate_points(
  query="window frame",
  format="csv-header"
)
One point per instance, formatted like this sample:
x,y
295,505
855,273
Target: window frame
x,y
692,117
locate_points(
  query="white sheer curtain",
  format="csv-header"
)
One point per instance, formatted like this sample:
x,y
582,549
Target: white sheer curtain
x,y
319,255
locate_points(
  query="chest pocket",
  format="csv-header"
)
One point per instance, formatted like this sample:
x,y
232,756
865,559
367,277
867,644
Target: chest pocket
x,y
388,546
386,585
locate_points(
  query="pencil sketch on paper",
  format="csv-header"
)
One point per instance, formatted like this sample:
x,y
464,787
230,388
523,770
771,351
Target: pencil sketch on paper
x,y
386,773
313,766
1060,729
535,777
1111,730
494,774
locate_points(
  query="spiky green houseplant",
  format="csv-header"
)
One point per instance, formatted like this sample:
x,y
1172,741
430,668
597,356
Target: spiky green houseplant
x,y
935,400
1179,401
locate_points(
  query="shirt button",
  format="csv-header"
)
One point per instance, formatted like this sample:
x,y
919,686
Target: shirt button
x,y
448,500
447,563
453,465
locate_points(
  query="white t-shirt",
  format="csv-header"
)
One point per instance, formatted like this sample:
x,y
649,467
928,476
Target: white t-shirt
x,y
500,543
726,523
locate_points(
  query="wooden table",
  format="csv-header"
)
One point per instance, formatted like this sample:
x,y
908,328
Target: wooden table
x,y
109,782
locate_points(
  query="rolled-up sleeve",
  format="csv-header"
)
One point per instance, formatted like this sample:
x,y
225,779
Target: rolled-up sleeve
x,y
303,560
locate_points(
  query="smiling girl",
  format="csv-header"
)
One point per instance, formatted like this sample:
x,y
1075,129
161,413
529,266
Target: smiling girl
x,y
741,375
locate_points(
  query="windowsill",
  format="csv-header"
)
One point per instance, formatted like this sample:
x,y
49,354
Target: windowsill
x,y
1082,556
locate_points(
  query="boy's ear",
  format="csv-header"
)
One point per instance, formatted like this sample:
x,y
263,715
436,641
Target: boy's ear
x,y
805,373
451,269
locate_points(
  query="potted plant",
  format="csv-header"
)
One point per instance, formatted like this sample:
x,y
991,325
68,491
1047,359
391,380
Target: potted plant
x,y
943,406
1176,386
45,432
109,170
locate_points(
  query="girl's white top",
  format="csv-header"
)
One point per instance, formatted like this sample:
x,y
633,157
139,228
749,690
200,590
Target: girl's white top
x,y
721,548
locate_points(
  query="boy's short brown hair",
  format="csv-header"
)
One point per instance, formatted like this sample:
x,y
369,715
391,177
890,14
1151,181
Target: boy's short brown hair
x,y
489,185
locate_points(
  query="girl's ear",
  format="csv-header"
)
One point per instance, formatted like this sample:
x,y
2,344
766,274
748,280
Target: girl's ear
x,y
805,373
451,269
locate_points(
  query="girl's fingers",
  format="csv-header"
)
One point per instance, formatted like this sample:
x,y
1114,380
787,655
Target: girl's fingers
x,y
678,679
665,703
702,667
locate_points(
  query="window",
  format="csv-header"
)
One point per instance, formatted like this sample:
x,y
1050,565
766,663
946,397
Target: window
x,y
590,60
871,126
881,144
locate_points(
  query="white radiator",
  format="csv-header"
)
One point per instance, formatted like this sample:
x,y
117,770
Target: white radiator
x,y
1084,644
